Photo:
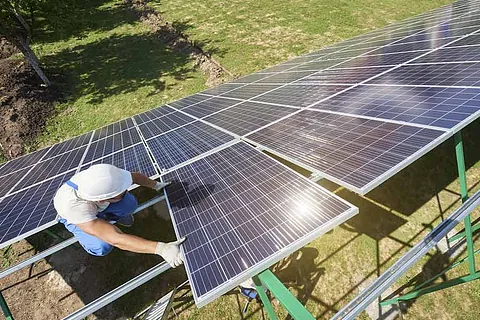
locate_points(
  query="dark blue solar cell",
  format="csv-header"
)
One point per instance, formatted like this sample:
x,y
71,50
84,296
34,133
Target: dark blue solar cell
x,y
342,76
326,62
247,79
407,103
112,144
22,162
346,149
153,114
188,101
285,77
185,143
133,159
29,211
113,128
248,116
208,107
460,54
275,211
300,95
391,59
249,91
69,145
51,167
164,124
8,181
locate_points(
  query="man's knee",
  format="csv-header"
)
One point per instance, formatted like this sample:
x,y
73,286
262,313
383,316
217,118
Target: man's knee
x,y
101,249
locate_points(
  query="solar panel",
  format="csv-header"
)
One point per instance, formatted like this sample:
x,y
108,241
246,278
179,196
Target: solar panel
x,y
185,143
153,114
248,116
462,54
222,88
133,159
444,74
8,181
163,124
185,102
68,145
112,129
22,162
429,106
428,44
241,212
246,79
356,153
208,107
378,60
319,65
29,211
285,77
52,167
298,95
249,91
112,144
342,76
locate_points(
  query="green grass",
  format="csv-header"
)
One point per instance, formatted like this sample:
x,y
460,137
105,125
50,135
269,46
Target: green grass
x,y
111,67
248,35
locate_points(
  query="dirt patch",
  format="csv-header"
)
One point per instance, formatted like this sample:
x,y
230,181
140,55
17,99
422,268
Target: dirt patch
x,y
178,42
6,49
25,105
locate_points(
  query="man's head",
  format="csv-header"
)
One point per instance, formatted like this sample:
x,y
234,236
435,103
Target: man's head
x,y
103,182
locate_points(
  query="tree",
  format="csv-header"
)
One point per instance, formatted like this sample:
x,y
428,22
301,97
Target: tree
x,y
17,31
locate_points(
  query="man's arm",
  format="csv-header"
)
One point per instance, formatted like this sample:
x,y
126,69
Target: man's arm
x,y
143,180
109,233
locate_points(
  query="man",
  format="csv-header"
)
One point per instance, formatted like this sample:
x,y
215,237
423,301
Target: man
x,y
94,199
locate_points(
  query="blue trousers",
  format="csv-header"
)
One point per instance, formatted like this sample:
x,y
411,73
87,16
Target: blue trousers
x,y
113,212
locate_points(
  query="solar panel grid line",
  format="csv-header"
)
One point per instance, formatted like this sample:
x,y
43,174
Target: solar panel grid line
x,y
415,85
23,162
149,151
112,129
265,263
153,114
442,62
84,154
466,122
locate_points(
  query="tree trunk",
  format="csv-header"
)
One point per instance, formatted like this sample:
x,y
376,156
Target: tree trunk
x,y
32,59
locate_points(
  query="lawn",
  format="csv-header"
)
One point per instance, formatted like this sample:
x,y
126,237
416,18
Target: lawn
x,y
112,67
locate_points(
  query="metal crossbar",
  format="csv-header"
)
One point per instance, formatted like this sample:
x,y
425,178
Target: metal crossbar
x,y
360,303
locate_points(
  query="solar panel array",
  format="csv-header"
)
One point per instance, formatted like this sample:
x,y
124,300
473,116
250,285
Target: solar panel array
x,y
241,212
356,113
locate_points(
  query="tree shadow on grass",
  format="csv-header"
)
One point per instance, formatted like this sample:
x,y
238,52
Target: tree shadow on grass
x,y
62,20
118,65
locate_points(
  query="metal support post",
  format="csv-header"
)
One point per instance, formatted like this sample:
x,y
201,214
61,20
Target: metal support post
x,y
5,309
285,297
464,194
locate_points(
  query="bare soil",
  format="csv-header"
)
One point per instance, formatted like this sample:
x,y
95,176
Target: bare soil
x,y
179,42
25,104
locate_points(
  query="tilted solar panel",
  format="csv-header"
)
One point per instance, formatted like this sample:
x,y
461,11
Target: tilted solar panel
x,y
430,106
356,153
29,211
163,124
241,212
185,143
205,108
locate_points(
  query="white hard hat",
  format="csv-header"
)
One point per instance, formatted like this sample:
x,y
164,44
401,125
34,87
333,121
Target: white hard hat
x,y
102,181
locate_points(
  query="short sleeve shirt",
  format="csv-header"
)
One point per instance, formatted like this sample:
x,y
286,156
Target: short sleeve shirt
x,y
74,209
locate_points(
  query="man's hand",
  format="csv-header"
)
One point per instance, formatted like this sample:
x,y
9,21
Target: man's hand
x,y
171,252
160,185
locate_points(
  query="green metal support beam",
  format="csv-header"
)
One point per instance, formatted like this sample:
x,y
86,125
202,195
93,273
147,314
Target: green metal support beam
x,y
284,296
467,233
5,309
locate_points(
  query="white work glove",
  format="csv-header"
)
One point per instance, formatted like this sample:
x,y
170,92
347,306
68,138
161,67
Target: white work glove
x,y
171,252
160,185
